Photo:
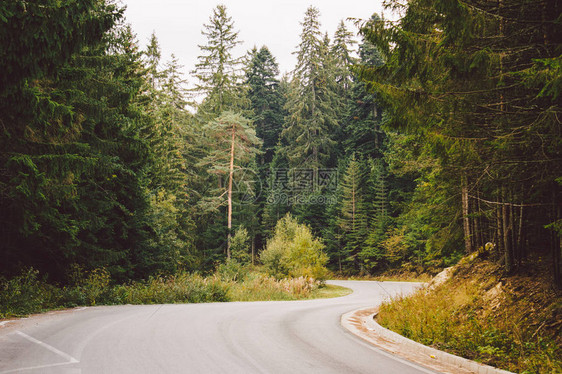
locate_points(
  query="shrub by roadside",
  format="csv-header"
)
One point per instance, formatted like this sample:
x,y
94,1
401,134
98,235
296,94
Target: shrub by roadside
x,y
293,251
28,293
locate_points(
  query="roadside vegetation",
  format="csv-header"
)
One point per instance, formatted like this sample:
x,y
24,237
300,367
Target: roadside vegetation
x,y
28,293
510,322
281,277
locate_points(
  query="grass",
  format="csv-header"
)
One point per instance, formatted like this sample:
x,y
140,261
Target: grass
x,y
402,277
259,287
475,316
329,291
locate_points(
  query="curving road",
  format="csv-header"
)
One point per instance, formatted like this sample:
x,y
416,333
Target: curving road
x,y
249,337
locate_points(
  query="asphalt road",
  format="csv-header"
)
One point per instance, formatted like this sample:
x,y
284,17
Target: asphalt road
x,y
250,337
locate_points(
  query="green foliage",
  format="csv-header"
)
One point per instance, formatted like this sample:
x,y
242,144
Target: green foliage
x,y
217,71
312,101
25,294
266,100
473,100
37,38
179,288
232,271
293,251
240,246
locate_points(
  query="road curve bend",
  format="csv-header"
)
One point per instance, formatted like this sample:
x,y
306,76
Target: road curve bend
x,y
238,337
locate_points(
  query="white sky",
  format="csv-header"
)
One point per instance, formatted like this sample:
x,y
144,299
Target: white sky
x,y
276,24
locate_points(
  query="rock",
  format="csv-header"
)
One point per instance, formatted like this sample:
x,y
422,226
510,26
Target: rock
x,y
441,278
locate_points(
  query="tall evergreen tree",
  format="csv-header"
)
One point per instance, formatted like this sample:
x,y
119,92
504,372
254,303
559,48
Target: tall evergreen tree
x,y
49,149
353,218
362,130
463,76
342,52
311,104
218,72
153,56
266,100
238,145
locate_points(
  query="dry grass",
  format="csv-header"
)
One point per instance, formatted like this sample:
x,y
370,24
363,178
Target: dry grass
x,y
475,316
261,287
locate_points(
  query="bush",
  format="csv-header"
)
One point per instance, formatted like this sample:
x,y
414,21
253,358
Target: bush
x,y
232,271
240,245
294,252
180,288
26,294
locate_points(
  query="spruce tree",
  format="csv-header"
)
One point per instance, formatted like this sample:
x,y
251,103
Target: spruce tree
x,y
362,128
342,52
49,153
266,100
311,105
468,78
353,218
218,72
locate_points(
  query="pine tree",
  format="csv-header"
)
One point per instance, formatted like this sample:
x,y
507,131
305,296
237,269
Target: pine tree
x,y
238,141
49,153
218,71
353,219
266,100
153,56
342,52
167,176
311,119
468,79
362,127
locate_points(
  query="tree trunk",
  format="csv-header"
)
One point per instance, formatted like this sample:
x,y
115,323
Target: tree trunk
x,y
499,233
507,237
253,249
520,249
556,248
466,219
478,228
230,194
512,238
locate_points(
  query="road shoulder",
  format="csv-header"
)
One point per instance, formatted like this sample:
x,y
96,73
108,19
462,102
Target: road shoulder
x,y
362,324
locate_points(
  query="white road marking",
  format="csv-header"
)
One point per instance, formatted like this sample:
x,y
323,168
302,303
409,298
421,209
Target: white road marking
x,y
35,367
69,358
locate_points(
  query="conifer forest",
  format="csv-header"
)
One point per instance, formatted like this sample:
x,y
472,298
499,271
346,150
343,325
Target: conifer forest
x,y
391,146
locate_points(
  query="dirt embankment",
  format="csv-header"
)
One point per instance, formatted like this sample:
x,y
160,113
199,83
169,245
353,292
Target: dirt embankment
x,y
477,311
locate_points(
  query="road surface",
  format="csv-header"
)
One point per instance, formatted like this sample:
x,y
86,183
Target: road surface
x,y
239,337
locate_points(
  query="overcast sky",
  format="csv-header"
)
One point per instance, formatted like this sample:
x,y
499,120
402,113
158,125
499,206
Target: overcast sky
x,y
274,23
